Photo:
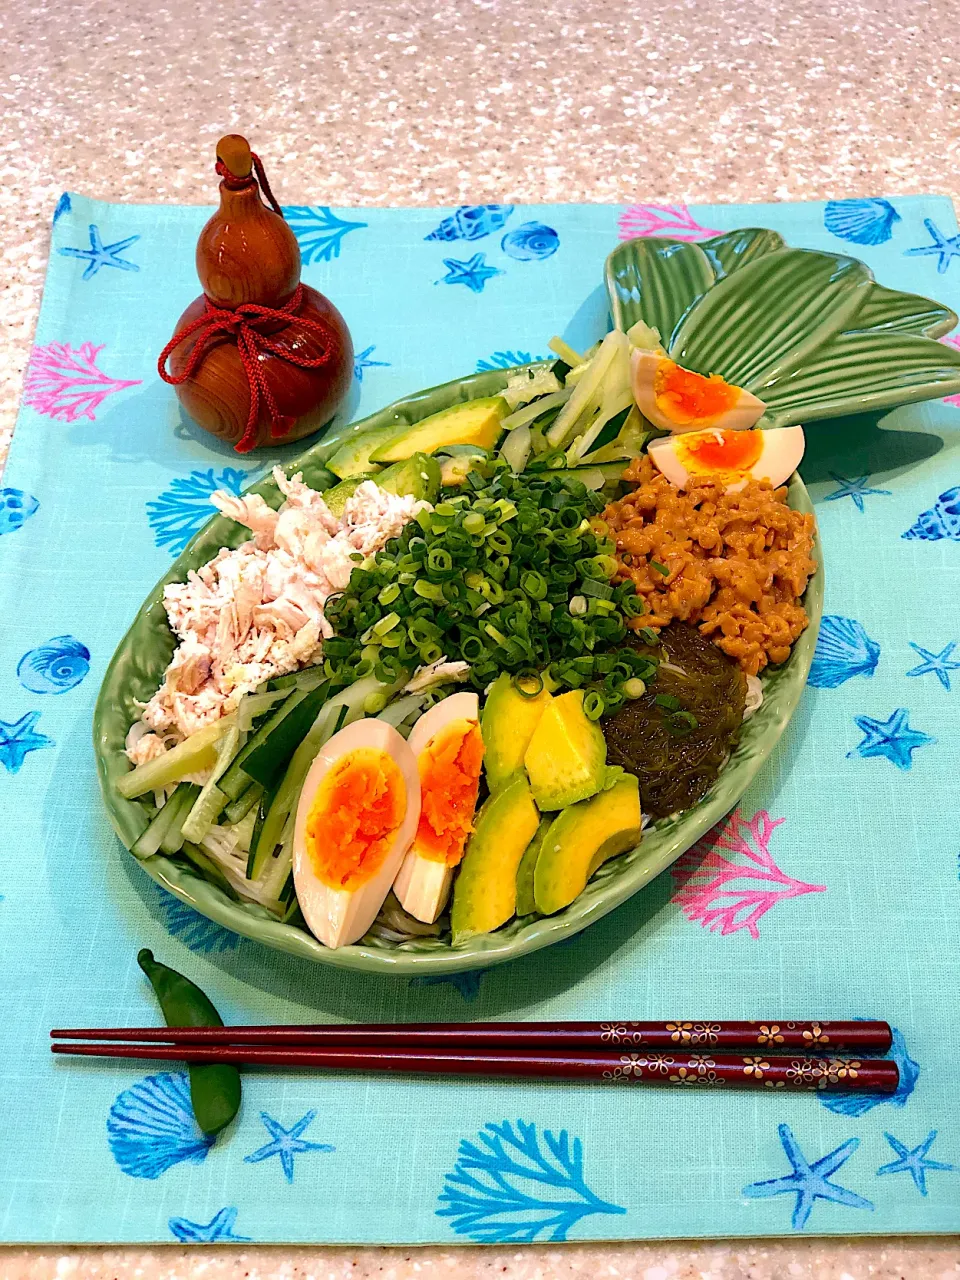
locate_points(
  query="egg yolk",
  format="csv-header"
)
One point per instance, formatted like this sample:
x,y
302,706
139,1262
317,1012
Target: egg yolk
x,y
449,780
686,397
354,817
707,452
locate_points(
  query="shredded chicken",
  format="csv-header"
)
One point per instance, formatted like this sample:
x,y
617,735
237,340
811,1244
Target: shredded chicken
x,y
258,611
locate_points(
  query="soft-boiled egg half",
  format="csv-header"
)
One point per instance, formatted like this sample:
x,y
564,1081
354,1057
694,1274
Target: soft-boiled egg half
x,y
357,816
731,456
448,747
676,399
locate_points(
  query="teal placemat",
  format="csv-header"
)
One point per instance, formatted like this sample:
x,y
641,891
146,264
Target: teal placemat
x,y
833,893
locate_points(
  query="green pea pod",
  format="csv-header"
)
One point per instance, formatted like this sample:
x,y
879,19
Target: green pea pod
x,y
214,1087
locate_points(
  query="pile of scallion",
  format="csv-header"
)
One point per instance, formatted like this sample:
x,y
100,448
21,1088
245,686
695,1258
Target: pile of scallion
x,y
512,572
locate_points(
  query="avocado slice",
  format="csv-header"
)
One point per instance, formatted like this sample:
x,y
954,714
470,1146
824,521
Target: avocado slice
x,y
507,723
418,476
567,755
336,498
473,422
580,838
526,902
353,457
485,891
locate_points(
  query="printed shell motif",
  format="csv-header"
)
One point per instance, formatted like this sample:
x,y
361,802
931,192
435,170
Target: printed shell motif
x,y
472,222
530,241
843,650
941,521
151,1127
54,667
15,507
862,221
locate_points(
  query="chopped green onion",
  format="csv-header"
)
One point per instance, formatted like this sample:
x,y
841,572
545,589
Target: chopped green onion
x,y
593,705
648,635
660,568
634,688
667,701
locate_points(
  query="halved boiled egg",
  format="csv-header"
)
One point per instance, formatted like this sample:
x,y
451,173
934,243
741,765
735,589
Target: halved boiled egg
x,y
732,456
357,816
448,747
676,399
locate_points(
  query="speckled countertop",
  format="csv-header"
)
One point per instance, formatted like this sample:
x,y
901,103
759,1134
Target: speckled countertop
x,y
441,102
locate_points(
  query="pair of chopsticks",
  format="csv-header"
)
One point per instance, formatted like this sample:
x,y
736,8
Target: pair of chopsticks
x,y
772,1054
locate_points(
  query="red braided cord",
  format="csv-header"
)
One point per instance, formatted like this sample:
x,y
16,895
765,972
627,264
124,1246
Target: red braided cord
x,y
224,172
250,343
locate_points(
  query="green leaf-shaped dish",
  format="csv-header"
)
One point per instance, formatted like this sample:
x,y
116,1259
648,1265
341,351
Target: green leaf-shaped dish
x,y
812,334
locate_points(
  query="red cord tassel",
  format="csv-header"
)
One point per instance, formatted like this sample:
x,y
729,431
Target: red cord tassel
x,y
241,322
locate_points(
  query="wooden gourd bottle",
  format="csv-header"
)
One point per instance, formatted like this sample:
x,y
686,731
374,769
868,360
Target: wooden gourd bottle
x,y
258,358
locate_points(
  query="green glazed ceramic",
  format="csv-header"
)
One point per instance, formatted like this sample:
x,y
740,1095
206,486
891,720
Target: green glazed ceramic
x,y
811,334
137,669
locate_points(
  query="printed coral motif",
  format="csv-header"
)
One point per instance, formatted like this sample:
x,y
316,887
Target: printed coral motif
x,y
66,383
511,1186
673,220
319,231
730,894
506,360
194,930
182,510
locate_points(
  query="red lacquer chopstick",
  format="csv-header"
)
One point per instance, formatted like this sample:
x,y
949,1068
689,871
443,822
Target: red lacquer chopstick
x,y
754,1071
767,1037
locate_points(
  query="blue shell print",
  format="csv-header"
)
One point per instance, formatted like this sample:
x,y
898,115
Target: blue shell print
x,y
858,1104
185,507
151,1127
511,1186
530,241
941,521
472,222
862,221
15,507
54,667
843,650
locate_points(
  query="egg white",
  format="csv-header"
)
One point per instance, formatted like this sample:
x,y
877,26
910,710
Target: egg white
x,y
643,371
423,884
341,916
780,455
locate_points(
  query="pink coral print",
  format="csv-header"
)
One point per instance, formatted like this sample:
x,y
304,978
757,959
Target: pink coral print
x,y
674,220
952,341
731,893
66,384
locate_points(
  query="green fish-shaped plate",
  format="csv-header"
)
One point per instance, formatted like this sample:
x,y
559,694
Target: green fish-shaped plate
x,y
811,334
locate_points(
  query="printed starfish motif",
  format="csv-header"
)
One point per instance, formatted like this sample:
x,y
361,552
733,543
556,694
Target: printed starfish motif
x,y
809,1182
103,255
915,1162
18,738
945,247
937,664
891,738
220,1227
286,1143
362,362
855,489
474,273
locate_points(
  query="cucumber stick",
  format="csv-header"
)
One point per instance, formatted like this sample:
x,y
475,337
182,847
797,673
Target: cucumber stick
x,y
211,801
149,842
236,779
238,809
197,753
184,798
266,763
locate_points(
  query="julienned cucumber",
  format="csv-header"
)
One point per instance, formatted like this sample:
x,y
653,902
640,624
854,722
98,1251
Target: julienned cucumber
x,y
159,829
237,778
266,763
183,800
195,754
